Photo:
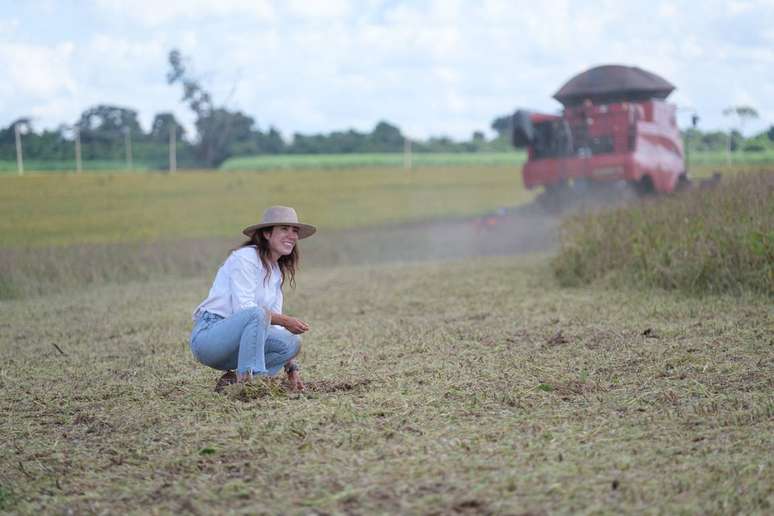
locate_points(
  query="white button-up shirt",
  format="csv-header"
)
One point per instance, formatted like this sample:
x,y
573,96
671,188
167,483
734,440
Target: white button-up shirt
x,y
241,283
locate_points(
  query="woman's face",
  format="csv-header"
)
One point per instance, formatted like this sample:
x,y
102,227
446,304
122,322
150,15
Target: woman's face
x,y
282,240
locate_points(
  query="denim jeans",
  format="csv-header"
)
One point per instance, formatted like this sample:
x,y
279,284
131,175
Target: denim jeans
x,y
243,341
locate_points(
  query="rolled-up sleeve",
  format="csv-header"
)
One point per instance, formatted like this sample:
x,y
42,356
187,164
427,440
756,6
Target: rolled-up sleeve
x,y
244,281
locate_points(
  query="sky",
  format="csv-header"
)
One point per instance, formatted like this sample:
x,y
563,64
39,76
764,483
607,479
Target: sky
x,y
433,68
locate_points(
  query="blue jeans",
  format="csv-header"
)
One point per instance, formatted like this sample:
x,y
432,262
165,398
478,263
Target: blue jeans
x,y
244,341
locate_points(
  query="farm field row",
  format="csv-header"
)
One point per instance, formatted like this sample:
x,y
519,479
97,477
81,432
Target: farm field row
x,y
435,388
47,210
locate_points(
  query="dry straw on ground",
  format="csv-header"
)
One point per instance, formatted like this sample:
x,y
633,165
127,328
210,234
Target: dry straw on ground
x,y
435,388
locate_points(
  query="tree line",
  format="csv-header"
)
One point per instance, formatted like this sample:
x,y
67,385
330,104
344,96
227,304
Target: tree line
x,y
106,131
113,133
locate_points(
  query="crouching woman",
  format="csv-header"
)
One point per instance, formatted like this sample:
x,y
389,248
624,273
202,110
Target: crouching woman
x,y
240,327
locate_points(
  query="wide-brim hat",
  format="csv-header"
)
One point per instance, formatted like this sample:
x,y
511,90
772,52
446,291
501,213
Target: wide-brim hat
x,y
281,216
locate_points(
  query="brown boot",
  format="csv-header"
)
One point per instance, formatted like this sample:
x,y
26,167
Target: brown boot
x,y
228,378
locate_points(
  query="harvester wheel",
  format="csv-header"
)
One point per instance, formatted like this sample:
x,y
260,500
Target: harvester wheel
x,y
645,187
683,183
554,197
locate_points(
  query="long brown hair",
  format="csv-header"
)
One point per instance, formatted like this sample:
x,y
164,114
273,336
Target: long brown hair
x,y
287,263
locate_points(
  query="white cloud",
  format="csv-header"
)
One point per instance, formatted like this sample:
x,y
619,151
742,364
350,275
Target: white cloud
x,y
153,13
327,9
36,71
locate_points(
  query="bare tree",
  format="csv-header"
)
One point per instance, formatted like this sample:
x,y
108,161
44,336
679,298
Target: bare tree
x,y
742,113
217,127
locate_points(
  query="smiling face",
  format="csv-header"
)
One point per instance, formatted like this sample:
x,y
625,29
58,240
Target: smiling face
x,y
282,240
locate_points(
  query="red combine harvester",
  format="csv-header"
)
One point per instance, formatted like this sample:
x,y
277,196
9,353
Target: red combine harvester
x,y
616,130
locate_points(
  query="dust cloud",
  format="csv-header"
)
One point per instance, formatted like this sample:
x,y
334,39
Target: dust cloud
x,y
523,229
509,231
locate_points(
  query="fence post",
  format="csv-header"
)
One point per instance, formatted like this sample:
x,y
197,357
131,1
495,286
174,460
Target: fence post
x,y
172,147
78,165
128,144
407,154
19,154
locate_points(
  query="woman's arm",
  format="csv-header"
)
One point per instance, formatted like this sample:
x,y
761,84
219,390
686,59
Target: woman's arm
x,y
293,325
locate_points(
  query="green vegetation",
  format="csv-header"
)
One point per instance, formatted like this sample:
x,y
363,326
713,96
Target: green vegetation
x,y
47,210
719,157
719,240
63,166
512,159
477,386
707,170
700,163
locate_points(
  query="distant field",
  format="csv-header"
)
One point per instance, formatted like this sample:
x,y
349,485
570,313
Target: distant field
x,y
337,161
720,158
292,162
47,209
39,210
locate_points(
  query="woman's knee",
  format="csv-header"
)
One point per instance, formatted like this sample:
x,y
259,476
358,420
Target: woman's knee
x,y
295,345
255,314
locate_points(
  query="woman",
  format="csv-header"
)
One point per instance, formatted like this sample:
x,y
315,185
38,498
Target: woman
x,y
240,327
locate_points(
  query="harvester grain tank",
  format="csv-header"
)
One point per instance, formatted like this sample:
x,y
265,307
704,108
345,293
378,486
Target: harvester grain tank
x,y
616,127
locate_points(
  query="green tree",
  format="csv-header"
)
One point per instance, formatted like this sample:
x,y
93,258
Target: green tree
x,y
270,142
386,138
161,127
502,125
108,120
103,128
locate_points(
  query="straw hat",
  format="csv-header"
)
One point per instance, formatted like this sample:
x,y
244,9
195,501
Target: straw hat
x,y
281,216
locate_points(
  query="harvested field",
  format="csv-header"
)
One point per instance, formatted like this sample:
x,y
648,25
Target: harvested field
x,y
469,386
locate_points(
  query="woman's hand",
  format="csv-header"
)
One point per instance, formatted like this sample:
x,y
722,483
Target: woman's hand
x,y
293,325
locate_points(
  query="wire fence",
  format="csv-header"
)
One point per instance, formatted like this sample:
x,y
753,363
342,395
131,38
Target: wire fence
x,y
66,151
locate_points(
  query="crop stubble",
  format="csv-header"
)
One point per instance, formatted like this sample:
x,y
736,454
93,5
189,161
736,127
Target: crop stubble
x,y
471,386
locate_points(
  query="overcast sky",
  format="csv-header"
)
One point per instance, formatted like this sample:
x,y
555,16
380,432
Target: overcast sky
x,y
431,67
